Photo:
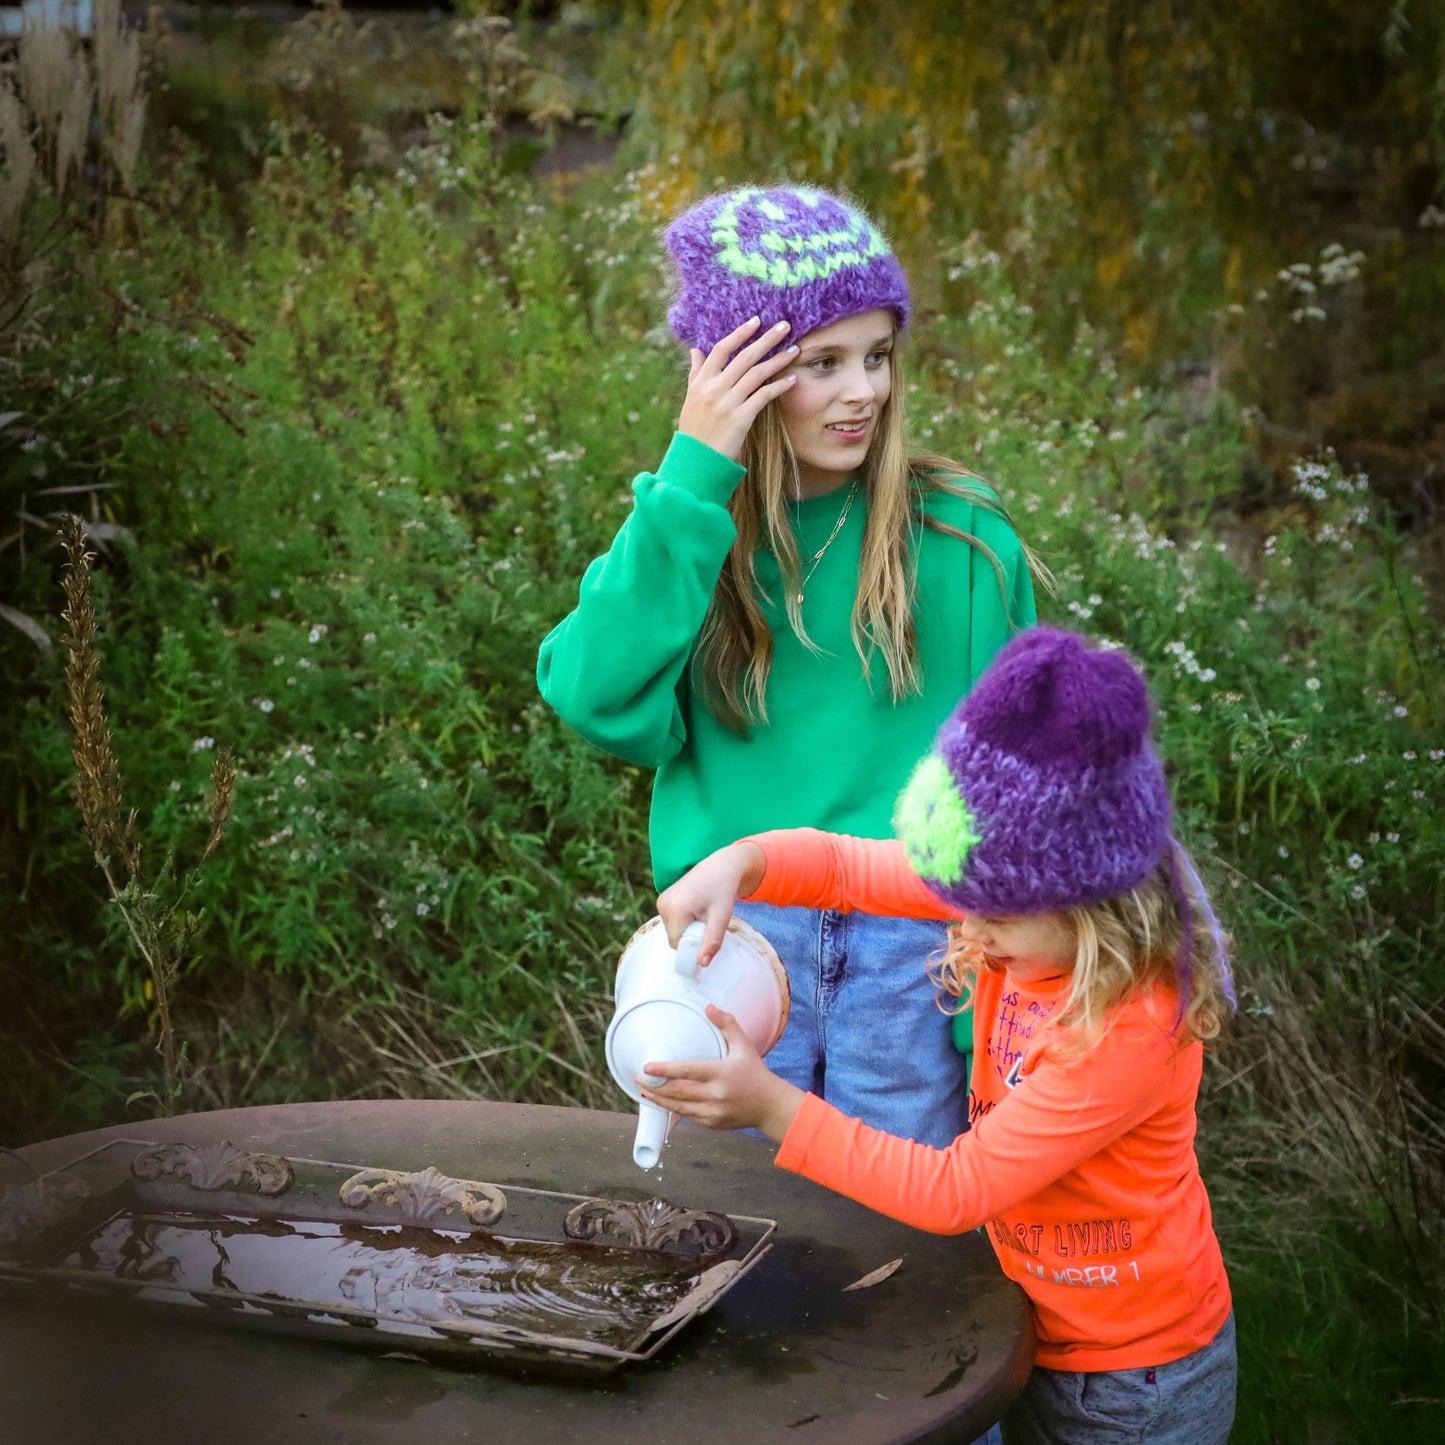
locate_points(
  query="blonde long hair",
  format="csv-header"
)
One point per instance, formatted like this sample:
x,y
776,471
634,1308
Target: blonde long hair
x,y
735,646
1125,944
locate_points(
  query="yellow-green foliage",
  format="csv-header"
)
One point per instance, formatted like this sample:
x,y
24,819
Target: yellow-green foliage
x,y
1120,154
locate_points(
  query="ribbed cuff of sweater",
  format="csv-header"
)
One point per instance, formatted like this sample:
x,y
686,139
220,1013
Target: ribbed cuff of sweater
x,y
695,467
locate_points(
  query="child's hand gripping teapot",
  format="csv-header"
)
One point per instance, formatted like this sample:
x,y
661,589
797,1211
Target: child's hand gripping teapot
x,y
662,997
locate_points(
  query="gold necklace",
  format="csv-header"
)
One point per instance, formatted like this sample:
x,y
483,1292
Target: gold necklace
x,y
818,555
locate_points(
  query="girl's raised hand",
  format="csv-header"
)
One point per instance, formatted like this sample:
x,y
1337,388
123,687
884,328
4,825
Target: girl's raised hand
x,y
727,388
708,891
738,1092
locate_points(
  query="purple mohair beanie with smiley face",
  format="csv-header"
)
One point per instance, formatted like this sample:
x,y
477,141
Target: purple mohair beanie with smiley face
x,y
1043,790
786,253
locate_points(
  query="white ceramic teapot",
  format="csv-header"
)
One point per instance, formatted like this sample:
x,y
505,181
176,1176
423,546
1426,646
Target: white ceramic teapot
x,y
662,997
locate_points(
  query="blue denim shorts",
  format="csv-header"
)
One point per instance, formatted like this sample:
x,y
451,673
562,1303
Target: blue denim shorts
x,y
865,1031
1186,1402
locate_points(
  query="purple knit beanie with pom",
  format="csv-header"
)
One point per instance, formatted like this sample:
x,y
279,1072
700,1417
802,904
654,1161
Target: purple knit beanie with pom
x,y
1043,790
788,253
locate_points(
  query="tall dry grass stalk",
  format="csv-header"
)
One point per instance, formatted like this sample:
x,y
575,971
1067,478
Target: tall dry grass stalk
x,y
120,90
160,929
1326,1118
18,149
59,86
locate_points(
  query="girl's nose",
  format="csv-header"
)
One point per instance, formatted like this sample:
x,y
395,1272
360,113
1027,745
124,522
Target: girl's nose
x,y
857,384
972,933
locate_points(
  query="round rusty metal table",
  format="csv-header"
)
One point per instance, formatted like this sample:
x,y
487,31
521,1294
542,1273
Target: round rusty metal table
x,y
935,1352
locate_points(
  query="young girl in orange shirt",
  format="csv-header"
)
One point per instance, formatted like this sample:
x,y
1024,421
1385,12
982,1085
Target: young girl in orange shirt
x,y
1040,826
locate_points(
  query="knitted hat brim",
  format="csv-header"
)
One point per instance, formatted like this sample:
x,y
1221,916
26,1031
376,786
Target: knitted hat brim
x,y
789,254
1044,838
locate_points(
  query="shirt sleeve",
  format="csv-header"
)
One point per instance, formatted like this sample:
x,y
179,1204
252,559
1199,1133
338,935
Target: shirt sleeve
x,y
612,666
1063,1111
852,875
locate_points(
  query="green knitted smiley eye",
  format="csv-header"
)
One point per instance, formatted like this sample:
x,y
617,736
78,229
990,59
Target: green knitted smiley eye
x,y
786,261
934,824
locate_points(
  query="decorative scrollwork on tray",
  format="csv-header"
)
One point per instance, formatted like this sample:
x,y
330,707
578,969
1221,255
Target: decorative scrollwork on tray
x,y
651,1224
215,1166
428,1197
25,1209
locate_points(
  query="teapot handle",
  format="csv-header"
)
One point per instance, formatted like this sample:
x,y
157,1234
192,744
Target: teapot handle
x,y
688,947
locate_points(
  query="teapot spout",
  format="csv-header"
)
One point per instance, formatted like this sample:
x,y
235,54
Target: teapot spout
x,y
652,1126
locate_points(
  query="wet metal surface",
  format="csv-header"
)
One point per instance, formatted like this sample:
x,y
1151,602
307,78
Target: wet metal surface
x,y
933,1353
576,1291
418,1257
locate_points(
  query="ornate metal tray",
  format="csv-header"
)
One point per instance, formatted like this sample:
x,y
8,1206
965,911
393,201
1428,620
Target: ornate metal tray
x,y
419,1263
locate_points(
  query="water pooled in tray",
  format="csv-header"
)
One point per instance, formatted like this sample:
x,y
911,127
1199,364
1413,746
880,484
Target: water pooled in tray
x,y
573,1290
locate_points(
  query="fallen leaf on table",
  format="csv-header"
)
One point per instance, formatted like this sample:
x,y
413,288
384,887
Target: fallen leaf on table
x,y
876,1276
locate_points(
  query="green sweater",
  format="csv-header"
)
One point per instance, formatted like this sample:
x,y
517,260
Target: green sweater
x,y
834,754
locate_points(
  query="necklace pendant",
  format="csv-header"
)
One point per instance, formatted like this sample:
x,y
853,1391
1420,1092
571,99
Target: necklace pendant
x,y
798,597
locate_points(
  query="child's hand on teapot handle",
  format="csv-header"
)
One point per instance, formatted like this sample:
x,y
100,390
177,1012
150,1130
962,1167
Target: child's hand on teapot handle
x,y
738,1092
708,892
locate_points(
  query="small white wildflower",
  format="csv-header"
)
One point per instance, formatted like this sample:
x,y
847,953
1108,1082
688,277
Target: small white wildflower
x,y
1401,711
265,704
1313,683
201,744
1283,851
1355,861
1408,755
275,593
422,910
299,781
370,637
1357,892
175,787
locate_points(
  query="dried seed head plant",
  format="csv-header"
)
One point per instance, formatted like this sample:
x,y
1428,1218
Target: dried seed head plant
x,y
158,925
97,778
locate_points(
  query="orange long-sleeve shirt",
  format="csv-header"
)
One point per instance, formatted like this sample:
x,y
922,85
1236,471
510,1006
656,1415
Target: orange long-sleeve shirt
x,y
1080,1163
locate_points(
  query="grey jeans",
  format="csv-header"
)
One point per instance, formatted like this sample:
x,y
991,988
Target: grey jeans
x,y
1186,1402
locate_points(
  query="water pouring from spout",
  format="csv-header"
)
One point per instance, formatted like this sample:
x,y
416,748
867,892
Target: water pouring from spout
x,y
653,1124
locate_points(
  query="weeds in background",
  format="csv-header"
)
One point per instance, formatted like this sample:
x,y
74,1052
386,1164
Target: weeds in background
x,y
163,933
355,465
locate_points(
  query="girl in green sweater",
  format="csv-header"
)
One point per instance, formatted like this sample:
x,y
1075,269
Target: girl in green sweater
x,y
794,604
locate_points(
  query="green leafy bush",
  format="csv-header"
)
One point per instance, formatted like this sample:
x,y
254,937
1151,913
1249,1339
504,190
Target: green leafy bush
x,y
347,464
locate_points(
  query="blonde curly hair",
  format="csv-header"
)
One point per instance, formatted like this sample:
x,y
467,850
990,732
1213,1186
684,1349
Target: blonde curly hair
x,y
1129,942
